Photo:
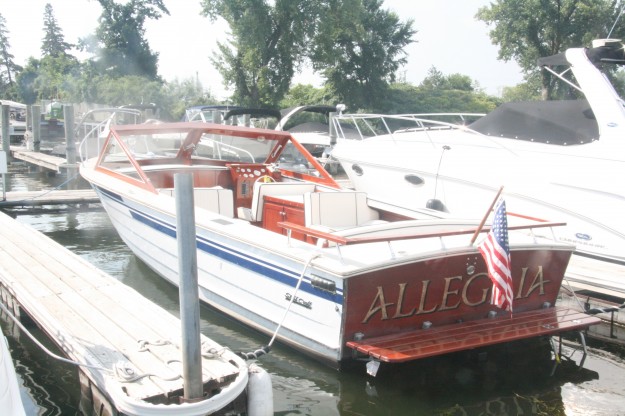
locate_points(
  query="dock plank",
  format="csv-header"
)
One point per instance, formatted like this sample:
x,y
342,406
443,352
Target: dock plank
x,y
50,197
152,332
65,297
94,318
37,158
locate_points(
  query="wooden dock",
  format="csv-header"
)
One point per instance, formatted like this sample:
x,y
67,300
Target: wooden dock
x,y
54,197
44,160
132,344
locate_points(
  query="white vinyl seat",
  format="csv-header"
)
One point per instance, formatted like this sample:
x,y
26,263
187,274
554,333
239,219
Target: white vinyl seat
x,y
216,199
332,211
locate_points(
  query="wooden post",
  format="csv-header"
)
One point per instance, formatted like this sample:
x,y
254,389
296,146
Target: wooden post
x,y
29,117
6,135
70,149
36,127
70,144
6,144
28,136
188,287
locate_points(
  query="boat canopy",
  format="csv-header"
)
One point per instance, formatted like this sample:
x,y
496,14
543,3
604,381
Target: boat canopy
x,y
567,122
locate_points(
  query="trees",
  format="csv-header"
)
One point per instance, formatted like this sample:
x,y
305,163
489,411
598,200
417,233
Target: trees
x,y
354,44
358,49
53,42
526,30
55,65
266,44
121,44
8,68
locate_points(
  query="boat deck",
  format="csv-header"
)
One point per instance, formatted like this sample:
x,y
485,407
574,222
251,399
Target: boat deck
x,y
447,339
95,319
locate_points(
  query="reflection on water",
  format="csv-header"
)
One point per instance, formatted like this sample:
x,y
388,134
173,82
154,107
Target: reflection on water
x,y
505,380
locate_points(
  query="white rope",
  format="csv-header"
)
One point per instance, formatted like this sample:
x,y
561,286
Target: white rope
x,y
299,282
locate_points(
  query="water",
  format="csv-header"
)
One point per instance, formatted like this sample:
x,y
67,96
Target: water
x,y
504,380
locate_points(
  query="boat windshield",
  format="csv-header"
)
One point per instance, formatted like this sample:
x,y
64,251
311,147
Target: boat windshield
x,y
233,148
202,145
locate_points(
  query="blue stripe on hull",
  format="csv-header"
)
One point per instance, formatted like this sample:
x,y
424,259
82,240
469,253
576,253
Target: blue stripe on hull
x,y
229,255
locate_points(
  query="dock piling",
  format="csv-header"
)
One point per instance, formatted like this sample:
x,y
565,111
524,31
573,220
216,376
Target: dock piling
x,y
188,288
6,144
36,128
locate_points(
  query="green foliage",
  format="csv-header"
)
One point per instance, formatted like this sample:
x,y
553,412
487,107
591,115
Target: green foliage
x,y
408,98
123,49
8,67
180,95
404,98
358,49
53,42
268,41
530,90
46,78
437,80
526,30
301,94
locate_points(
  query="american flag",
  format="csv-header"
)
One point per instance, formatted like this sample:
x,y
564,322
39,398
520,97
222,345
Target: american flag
x,y
496,253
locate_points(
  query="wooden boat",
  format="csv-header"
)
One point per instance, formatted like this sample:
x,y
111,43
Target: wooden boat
x,y
328,271
556,159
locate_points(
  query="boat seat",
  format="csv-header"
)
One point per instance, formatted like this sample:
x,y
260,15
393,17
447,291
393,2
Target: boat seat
x,y
332,211
215,199
261,189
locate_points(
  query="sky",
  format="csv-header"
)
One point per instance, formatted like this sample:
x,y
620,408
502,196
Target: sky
x,y
448,38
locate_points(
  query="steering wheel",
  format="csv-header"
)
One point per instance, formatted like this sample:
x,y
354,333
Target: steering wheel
x,y
265,179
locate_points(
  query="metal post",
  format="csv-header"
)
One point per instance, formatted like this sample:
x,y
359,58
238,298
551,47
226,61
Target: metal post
x,y
36,127
5,120
332,131
216,117
188,287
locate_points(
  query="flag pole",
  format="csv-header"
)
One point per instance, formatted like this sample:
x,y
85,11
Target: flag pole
x,y
479,228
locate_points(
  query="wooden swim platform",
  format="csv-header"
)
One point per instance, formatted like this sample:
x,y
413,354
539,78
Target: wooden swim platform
x,y
423,343
96,320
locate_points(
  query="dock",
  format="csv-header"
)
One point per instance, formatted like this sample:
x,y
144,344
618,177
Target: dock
x,y
128,347
44,160
54,197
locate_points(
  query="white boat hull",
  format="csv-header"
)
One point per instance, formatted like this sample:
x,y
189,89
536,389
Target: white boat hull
x,y
246,282
461,170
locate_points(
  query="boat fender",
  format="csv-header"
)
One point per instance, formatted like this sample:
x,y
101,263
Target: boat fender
x,y
259,392
436,204
254,354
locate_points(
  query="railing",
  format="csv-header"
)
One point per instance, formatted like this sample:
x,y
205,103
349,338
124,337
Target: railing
x,y
362,126
94,133
410,230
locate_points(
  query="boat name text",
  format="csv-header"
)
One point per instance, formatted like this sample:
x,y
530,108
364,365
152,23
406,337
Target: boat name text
x,y
456,292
